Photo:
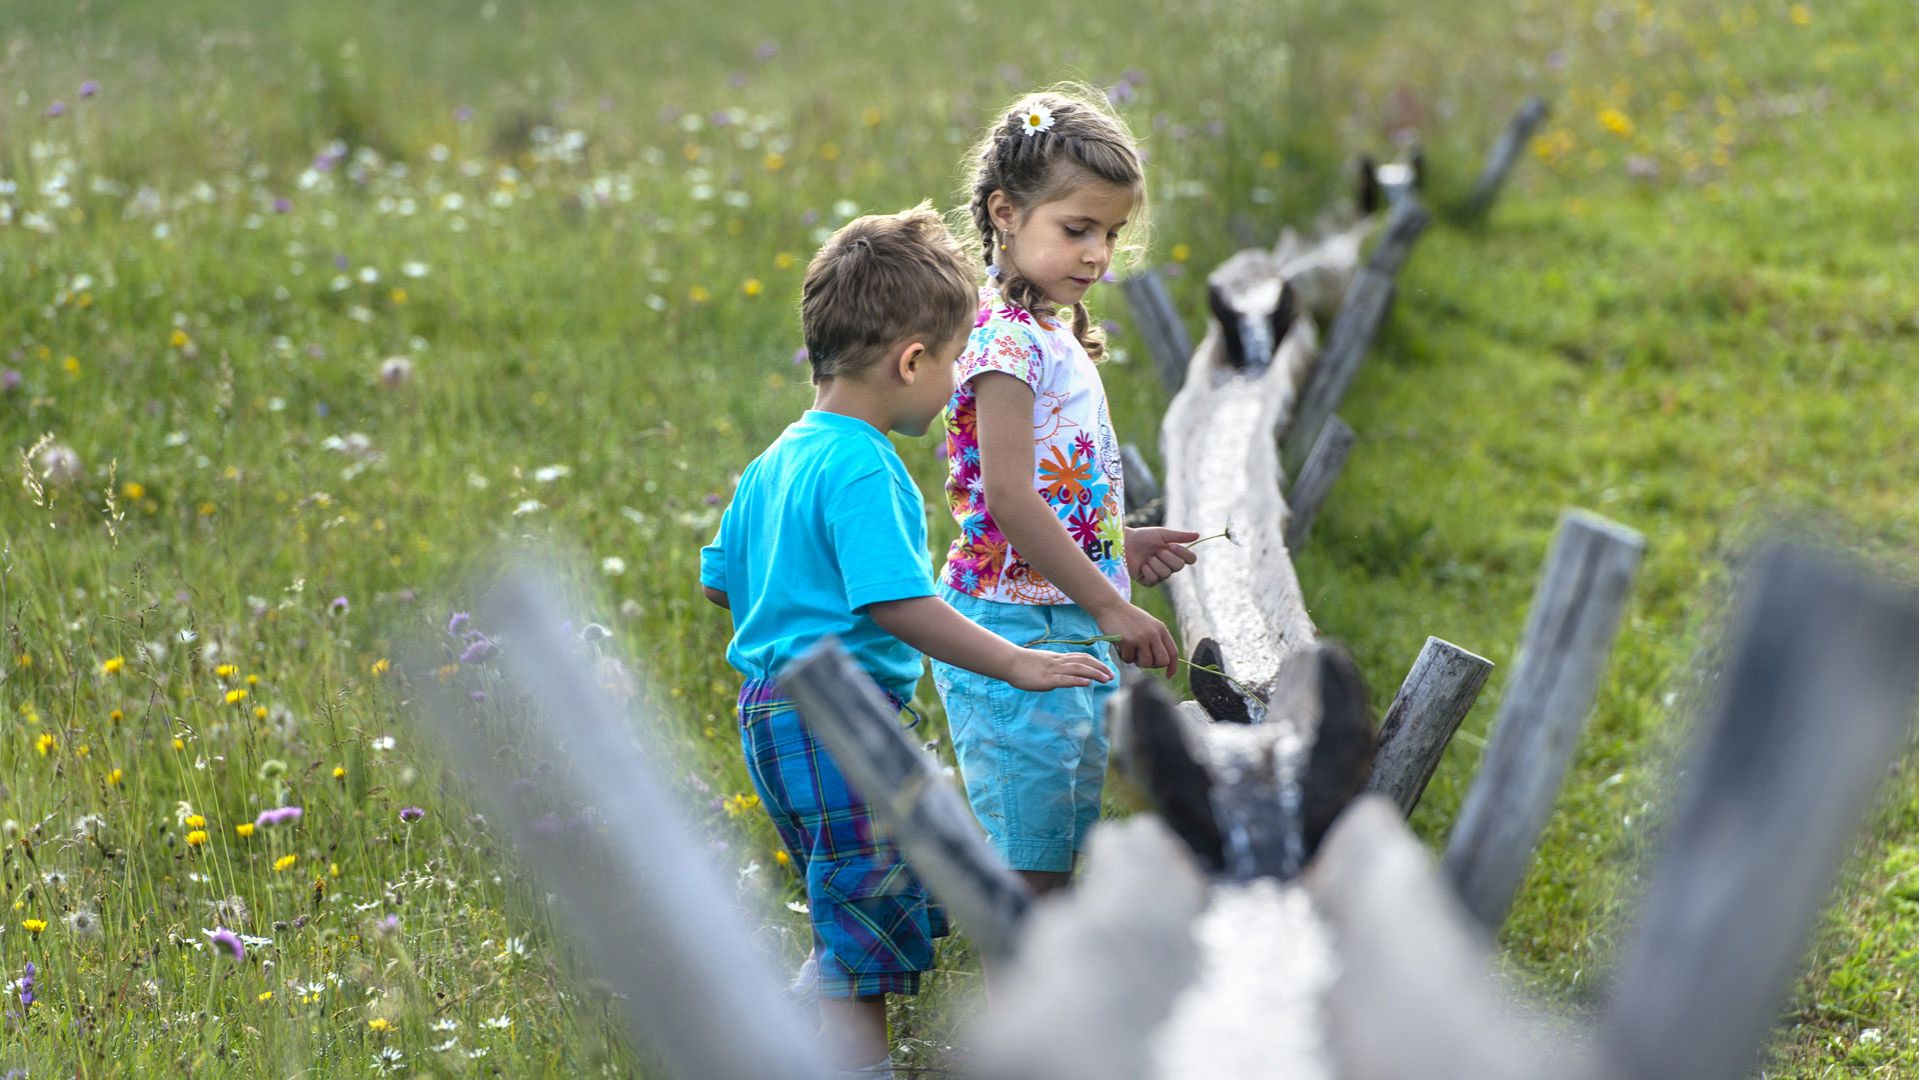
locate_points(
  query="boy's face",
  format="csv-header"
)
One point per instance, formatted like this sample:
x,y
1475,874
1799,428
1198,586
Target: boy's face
x,y
932,385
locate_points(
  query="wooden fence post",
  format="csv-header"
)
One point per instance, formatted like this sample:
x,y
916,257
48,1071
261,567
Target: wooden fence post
x,y
1316,478
1368,301
1569,631
1159,325
925,815
1519,131
642,899
1815,702
1142,487
1438,693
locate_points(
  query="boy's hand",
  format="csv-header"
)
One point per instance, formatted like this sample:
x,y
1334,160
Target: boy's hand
x,y
1143,640
1155,554
1037,669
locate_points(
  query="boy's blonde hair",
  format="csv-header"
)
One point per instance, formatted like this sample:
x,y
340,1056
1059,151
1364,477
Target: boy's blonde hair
x,y
1085,141
880,281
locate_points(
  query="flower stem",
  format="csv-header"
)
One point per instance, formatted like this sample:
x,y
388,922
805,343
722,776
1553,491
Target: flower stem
x,y
1226,534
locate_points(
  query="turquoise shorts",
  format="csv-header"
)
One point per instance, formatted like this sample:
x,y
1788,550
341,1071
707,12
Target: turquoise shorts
x,y
1034,764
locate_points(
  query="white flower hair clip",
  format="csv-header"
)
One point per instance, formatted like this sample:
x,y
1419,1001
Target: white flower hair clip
x,y
1036,119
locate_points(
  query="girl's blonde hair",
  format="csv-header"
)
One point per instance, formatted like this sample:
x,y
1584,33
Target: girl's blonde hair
x,y
1087,141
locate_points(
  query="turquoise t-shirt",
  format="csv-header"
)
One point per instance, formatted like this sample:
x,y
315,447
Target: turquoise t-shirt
x,y
823,523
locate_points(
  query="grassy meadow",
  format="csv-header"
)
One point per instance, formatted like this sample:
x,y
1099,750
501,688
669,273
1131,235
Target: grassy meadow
x,y
307,309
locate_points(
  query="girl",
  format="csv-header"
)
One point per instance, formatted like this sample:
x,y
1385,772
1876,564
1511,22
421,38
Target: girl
x,y
1043,557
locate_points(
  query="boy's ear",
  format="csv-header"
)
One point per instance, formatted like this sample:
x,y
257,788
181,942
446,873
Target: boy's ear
x,y
909,361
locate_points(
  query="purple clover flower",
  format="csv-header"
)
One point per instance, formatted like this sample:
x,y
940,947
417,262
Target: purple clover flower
x,y
388,926
26,986
89,88
463,114
766,50
282,204
411,814
478,650
458,620
56,110
800,356
10,380
279,815
223,938
339,606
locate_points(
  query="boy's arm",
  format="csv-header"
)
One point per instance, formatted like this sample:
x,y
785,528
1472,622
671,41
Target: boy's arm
x,y
1005,418
716,596
930,625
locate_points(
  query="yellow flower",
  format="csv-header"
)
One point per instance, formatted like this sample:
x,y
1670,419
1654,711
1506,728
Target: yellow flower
x,y
284,861
774,161
236,696
1800,14
381,667
752,287
785,260
1616,122
333,869
740,804
116,716
253,680
133,489
698,294
398,296
73,365
245,829
196,838
447,671
379,1023
205,509
265,995
1269,159
339,772
782,857
179,744
871,117
226,671
113,666
114,777
830,152
46,743
1181,253
195,821
259,712
34,926
178,339
25,660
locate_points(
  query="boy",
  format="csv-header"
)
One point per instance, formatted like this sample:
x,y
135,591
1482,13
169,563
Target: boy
x,y
826,534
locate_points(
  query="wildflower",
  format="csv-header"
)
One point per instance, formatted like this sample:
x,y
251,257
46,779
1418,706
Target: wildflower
x,y
478,650
236,696
33,926
384,742
379,1024
1036,120
698,294
225,671
459,620
740,804
84,924
1181,253
89,88
265,996
612,566
388,926
782,858
411,814
1800,14
284,862
396,371
223,938
1616,122
56,110
178,339
195,821
116,715
752,287
259,712
499,1023
253,680
339,772
279,815
26,985
398,295
113,665
114,776
196,838
46,743
339,605
381,667
388,1060
244,829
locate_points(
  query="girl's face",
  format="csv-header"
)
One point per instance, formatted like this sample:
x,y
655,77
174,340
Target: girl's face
x,y
1065,245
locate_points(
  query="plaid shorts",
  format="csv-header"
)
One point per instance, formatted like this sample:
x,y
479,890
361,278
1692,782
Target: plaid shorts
x,y
873,923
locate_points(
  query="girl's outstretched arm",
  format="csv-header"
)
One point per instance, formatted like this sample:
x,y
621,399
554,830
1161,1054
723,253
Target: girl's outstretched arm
x,y
1005,417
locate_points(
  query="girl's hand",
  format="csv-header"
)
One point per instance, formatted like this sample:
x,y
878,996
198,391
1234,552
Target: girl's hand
x,y
1143,640
1155,554
1039,670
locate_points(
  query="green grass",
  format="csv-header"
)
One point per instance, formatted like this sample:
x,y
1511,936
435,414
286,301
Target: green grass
x,y
1694,354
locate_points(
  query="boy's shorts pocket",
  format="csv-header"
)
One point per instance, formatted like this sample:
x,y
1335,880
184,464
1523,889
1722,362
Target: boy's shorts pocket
x,y
872,915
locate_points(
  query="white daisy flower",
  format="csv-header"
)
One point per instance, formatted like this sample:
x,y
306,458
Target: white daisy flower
x,y
1036,119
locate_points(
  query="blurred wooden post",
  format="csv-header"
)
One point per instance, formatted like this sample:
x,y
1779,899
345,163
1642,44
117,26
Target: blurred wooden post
x,y
1575,614
1142,487
1151,746
1316,478
1415,998
925,815
1368,301
1814,704
1519,131
1159,325
1438,693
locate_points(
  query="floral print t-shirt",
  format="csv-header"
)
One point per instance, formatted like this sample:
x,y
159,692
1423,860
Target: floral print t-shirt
x,y
1076,465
